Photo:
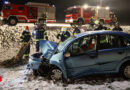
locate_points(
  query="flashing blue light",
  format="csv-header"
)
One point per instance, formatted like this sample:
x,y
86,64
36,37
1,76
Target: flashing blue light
x,y
6,2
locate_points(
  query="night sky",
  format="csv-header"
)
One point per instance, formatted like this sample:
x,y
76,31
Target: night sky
x,y
120,7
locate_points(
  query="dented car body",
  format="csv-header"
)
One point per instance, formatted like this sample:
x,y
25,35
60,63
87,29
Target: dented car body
x,y
93,52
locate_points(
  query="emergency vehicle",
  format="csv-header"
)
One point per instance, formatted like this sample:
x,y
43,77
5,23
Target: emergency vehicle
x,y
83,14
29,12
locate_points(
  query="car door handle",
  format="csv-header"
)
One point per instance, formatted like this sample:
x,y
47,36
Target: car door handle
x,y
121,52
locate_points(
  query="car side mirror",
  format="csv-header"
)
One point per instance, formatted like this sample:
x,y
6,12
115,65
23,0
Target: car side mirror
x,y
67,54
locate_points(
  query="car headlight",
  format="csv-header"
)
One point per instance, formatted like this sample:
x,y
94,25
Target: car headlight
x,y
71,20
66,21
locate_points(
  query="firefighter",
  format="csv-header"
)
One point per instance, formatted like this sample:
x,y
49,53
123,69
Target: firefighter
x,y
63,35
25,38
76,29
39,33
102,27
43,19
91,24
97,22
117,27
113,20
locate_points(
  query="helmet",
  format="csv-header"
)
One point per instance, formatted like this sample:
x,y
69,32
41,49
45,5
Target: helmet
x,y
26,28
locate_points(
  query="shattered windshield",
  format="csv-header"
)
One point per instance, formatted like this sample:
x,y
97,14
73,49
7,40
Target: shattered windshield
x,y
66,42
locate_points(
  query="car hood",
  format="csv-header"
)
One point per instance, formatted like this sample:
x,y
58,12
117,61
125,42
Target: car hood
x,y
48,48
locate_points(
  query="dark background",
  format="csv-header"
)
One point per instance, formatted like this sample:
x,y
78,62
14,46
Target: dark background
x,y
120,7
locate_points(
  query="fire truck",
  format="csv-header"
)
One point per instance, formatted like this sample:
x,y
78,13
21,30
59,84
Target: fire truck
x,y
83,14
29,12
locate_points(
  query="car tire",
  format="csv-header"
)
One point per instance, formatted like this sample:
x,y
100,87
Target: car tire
x,y
12,21
56,75
35,72
125,71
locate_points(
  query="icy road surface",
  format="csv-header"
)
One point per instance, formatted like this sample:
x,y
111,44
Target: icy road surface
x,y
16,79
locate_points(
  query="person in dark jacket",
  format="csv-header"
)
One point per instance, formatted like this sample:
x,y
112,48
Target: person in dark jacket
x,y
76,29
102,27
25,38
63,35
92,22
117,27
39,33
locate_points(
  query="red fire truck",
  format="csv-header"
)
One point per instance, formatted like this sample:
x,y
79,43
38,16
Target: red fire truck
x,y
83,14
30,12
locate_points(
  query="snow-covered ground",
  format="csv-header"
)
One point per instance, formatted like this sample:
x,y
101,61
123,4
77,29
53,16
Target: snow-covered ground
x,y
17,78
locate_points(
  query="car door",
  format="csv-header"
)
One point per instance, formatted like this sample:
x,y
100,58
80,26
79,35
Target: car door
x,y
33,13
76,13
83,55
87,14
110,52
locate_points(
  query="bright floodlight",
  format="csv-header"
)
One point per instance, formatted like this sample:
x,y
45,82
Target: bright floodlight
x,y
6,2
85,6
74,6
107,8
98,7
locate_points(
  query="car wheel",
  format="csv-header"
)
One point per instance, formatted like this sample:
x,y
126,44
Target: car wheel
x,y
12,21
35,72
125,71
56,74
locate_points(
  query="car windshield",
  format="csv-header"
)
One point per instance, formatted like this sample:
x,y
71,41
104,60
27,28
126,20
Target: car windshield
x,y
69,11
66,42
8,7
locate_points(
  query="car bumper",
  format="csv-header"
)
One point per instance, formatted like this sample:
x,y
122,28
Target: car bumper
x,y
34,63
69,21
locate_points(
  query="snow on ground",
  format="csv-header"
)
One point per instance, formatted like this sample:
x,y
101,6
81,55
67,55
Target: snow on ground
x,y
16,78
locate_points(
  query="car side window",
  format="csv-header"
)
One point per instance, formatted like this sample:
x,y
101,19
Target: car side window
x,y
109,41
86,10
124,42
83,45
76,11
73,49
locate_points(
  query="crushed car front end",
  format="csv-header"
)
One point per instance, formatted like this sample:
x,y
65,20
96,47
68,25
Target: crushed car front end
x,y
34,61
39,61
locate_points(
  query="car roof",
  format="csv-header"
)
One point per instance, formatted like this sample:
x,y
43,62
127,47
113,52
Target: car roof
x,y
103,32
